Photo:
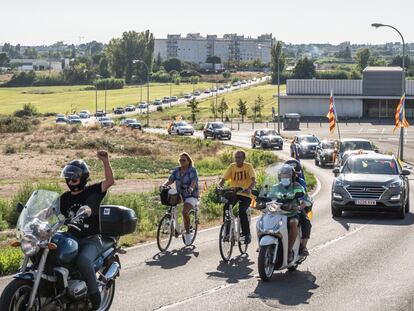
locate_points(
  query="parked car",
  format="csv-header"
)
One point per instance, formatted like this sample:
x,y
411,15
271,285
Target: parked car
x,y
243,82
100,113
188,96
174,98
142,105
197,93
207,91
106,122
221,88
130,108
157,102
119,110
214,90
74,119
352,144
181,128
265,138
131,123
84,114
166,100
227,86
216,130
325,153
61,118
370,182
305,145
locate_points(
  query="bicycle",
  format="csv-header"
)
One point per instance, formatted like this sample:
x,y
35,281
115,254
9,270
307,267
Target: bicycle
x,y
230,231
169,224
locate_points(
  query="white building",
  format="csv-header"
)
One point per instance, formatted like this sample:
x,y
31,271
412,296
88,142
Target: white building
x,y
232,47
36,64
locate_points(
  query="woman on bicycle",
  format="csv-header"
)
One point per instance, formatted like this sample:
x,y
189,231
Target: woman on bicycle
x,y
186,182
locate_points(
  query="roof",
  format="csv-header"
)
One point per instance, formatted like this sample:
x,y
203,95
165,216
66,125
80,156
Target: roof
x,y
354,139
379,68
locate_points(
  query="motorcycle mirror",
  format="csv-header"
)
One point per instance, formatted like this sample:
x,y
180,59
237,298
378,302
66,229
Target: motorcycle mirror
x,y
84,210
19,207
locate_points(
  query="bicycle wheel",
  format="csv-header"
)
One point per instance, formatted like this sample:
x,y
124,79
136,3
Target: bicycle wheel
x,y
164,233
226,241
242,247
193,226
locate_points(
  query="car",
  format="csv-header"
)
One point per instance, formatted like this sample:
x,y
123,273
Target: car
x,y
61,118
207,91
174,98
216,130
181,128
236,84
243,82
74,119
325,153
157,102
371,182
166,100
100,113
305,145
352,144
142,105
196,93
84,114
221,88
129,108
106,122
188,96
214,90
266,138
119,110
131,123
227,86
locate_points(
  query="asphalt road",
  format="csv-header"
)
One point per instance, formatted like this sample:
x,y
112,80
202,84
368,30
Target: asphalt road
x,y
358,262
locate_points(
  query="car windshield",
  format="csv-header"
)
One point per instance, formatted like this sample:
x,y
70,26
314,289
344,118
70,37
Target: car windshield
x,y
218,125
309,139
355,145
130,120
269,132
181,124
328,145
371,166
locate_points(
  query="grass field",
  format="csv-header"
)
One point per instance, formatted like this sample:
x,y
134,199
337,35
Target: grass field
x,y
267,91
63,99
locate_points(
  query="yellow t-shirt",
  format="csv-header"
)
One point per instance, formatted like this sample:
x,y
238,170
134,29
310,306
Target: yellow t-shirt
x,y
240,176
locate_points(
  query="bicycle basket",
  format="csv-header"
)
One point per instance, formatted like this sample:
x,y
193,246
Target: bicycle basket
x,y
229,195
169,197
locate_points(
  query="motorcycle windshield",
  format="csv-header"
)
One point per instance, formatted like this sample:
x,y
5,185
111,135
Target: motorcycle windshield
x,y
41,216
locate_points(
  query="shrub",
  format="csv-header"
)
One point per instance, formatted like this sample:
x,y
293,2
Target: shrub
x,y
109,84
28,110
332,74
14,125
9,149
21,79
10,260
4,206
161,76
50,80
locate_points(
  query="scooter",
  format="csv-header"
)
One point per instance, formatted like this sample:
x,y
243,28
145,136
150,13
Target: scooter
x,y
273,235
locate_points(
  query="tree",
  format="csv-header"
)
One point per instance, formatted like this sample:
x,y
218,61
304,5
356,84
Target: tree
x,y
4,60
226,74
355,74
30,53
362,57
172,64
193,105
344,53
242,108
213,109
213,60
103,67
397,61
194,79
257,107
304,69
277,55
222,108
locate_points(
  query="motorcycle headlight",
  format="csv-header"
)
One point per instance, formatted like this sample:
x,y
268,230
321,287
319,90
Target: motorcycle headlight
x,y
272,207
29,245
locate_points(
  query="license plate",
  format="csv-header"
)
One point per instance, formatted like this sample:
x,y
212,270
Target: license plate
x,y
365,202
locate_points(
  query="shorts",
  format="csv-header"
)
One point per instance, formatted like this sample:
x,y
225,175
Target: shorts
x,y
192,201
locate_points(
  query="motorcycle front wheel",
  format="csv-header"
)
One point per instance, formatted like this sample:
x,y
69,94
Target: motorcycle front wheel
x,y
265,262
16,295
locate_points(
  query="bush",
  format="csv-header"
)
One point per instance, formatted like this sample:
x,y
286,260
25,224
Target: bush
x,y
109,84
10,260
21,79
332,75
15,125
189,73
4,206
161,76
50,80
9,149
29,110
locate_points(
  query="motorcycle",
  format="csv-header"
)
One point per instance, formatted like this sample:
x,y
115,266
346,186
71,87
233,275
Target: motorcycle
x,y
48,278
272,232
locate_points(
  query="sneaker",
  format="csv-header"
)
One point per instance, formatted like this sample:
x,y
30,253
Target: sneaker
x,y
303,251
247,239
188,237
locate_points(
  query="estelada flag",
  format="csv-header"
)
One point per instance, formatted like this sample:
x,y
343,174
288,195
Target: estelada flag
x,y
400,120
331,114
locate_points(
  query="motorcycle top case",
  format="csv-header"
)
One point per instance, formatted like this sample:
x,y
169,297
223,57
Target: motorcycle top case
x,y
117,220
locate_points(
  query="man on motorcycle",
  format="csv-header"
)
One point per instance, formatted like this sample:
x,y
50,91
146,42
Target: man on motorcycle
x,y
241,174
76,174
285,192
306,207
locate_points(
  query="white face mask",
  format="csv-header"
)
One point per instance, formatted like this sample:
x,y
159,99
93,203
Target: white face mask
x,y
285,182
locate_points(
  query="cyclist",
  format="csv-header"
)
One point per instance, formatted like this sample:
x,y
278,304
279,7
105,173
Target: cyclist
x,y
241,174
304,220
186,182
76,174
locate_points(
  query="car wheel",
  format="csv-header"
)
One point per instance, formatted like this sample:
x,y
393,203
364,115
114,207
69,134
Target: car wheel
x,y
215,136
281,147
316,161
336,212
321,163
407,205
205,136
253,145
401,213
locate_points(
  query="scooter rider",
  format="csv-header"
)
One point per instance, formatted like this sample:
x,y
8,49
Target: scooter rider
x,y
285,192
306,207
76,174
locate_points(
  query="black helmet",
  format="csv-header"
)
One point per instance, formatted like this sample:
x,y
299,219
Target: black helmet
x,y
297,167
76,169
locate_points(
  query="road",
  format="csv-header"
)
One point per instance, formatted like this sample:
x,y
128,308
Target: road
x,y
358,262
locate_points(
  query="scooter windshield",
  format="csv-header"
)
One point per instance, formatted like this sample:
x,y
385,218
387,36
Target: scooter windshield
x,y
41,216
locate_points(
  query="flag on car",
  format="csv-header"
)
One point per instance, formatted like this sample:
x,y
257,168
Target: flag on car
x,y
331,114
400,120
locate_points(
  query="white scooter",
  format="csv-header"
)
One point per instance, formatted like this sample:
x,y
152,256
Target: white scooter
x,y
272,232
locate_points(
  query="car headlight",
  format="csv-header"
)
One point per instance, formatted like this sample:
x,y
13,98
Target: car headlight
x,y
29,245
339,183
394,185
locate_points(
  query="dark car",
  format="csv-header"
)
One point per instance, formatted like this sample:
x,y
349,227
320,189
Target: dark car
x,y
119,110
166,100
131,123
216,130
60,118
266,138
100,113
74,119
325,153
370,182
305,145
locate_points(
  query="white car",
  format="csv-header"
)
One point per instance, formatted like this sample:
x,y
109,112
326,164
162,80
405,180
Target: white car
x,y
84,114
181,128
187,96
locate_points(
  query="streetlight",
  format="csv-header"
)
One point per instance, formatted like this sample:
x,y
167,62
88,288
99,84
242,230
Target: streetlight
x,y
148,74
260,46
378,25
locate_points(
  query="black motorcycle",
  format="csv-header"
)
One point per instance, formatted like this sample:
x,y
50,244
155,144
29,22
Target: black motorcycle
x,y
48,278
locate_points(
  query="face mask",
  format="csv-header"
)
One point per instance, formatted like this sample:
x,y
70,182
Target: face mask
x,y
285,182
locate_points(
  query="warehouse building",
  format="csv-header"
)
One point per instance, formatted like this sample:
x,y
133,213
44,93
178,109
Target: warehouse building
x,y
375,96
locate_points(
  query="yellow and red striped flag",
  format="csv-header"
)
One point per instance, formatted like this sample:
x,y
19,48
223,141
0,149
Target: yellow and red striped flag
x,y
331,114
400,120
205,188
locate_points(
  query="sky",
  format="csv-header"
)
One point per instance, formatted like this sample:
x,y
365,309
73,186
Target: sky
x,y
41,22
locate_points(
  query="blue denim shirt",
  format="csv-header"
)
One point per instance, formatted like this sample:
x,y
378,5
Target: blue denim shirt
x,y
182,183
